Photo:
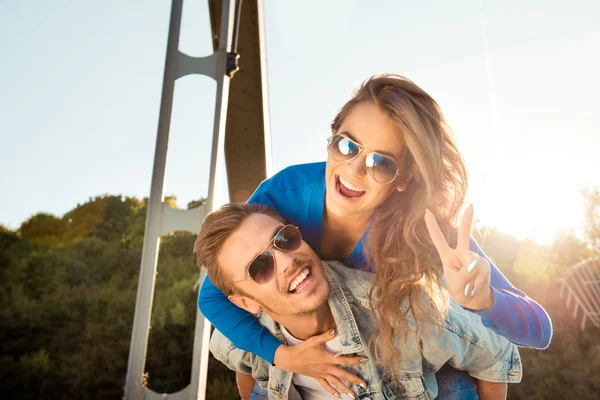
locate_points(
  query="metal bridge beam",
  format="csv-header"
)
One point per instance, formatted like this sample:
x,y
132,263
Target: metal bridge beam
x,y
240,134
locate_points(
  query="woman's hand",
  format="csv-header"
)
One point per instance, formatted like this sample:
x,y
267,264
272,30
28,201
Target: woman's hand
x,y
311,359
467,274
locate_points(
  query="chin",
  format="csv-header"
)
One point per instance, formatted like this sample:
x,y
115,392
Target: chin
x,y
338,208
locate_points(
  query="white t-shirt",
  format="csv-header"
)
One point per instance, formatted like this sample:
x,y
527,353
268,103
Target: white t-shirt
x,y
310,388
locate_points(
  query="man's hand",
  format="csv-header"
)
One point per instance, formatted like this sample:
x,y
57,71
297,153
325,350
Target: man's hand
x,y
245,385
311,359
467,274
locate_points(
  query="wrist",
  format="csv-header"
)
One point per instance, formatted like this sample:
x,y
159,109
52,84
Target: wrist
x,y
281,354
488,301
481,304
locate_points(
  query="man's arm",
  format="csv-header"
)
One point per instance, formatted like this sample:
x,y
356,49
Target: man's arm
x,y
237,360
463,342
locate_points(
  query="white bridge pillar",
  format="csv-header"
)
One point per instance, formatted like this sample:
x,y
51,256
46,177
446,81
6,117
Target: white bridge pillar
x,y
247,158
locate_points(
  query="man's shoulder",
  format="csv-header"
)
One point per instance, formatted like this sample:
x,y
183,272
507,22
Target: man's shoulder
x,y
356,282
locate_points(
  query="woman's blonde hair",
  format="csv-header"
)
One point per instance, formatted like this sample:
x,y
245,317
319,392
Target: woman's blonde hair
x,y
408,269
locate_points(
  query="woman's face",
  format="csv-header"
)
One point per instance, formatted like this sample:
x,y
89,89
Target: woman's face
x,y
350,188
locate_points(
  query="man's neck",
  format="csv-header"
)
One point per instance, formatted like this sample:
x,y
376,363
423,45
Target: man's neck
x,y
303,327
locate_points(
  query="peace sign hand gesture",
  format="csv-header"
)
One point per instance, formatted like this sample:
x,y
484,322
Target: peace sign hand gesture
x,y
467,274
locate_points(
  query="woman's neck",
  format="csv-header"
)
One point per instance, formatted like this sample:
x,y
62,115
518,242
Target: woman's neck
x,y
341,234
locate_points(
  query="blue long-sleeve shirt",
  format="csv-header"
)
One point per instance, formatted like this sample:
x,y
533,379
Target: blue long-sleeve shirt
x,y
297,193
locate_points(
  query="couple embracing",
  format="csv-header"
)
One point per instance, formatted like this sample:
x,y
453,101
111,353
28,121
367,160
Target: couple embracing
x,y
411,308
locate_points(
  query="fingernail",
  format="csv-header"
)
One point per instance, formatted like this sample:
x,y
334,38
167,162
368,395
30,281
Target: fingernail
x,y
362,385
350,394
471,266
473,292
337,395
364,360
332,332
468,288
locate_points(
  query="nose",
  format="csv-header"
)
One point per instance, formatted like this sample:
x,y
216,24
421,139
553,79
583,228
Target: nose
x,y
357,166
284,260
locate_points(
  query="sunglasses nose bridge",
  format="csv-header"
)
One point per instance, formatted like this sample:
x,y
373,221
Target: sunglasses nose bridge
x,y
358,164
283,259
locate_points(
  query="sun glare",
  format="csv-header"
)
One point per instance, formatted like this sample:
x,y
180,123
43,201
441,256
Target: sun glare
x,y
528,206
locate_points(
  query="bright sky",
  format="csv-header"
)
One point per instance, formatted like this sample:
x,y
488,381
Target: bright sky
x,y
80,87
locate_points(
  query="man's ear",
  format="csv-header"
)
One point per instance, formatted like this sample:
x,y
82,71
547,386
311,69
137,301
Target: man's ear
x,y
245,303
403,183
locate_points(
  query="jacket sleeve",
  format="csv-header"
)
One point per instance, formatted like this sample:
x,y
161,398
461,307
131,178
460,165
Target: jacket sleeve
x,y
237,360
463,342
514,315
236,324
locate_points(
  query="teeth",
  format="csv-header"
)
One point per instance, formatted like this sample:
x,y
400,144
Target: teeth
x,y
350,186
299,279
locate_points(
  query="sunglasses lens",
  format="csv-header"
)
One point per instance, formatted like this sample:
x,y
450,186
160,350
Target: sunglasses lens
x,y
262,268
341,148
381,168
288,238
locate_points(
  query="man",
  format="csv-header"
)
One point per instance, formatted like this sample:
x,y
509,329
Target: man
x,y
264,267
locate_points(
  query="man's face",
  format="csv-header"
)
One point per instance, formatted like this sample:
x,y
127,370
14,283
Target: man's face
x,y
299,270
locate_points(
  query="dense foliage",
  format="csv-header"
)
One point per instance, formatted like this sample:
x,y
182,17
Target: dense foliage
x,y
68,287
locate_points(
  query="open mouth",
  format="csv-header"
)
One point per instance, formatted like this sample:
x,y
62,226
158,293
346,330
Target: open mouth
x,y
300,281
347,189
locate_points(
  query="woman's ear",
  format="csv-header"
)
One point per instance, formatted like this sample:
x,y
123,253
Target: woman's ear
x,y
402,183
245,303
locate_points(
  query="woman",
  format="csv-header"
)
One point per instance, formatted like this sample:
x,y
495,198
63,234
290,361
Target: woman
x,y
391,158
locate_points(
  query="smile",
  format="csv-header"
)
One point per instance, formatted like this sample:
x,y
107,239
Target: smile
x,y
348,189
300,281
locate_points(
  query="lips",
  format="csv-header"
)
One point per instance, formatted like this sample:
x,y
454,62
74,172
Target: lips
x,y
348,189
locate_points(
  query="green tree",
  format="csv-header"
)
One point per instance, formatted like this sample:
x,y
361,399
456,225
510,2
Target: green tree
x,y
44,230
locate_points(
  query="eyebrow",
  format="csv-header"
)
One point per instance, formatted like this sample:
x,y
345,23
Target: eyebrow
x,y
385,153
275,232
277,229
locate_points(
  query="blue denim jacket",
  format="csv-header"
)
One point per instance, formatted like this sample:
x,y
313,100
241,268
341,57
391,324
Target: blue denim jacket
x,y
460,340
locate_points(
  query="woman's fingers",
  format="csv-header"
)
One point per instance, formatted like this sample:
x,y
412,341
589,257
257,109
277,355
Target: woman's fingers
x,y
462,283
471,285
349,360
436,235
481,281
339,385
329,362
332,381
320,339
341,373
323,382
464,231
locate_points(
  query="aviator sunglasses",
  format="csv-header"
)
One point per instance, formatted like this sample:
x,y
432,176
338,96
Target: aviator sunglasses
x,y
382,169
262,268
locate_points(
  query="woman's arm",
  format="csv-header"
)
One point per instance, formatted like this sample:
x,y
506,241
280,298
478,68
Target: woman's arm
x,y
514,315
236,324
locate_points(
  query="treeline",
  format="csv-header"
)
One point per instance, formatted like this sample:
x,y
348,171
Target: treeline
x,y
68,287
